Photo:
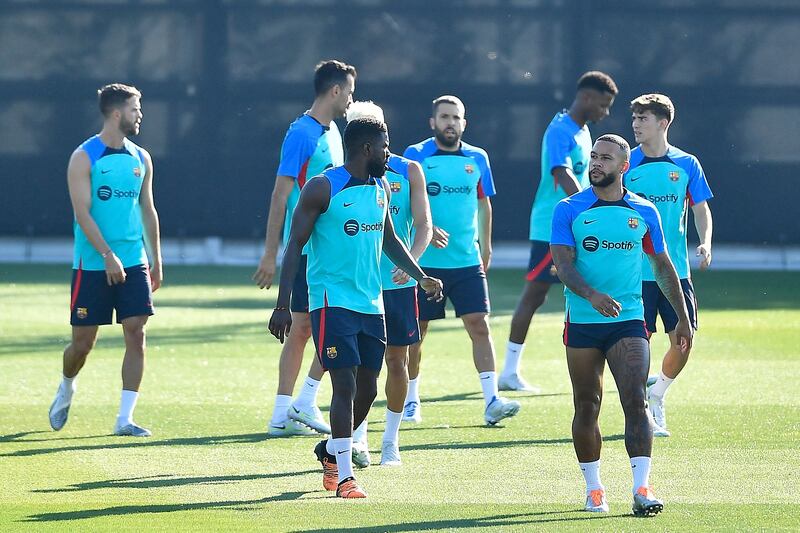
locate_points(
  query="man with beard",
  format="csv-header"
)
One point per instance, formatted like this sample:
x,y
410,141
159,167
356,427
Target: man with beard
x,y
110,181
598,238
344,213
673,180
459,185
564,171
312,144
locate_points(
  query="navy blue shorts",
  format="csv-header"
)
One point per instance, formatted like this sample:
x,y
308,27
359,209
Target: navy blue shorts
x,y
346,339
465,287
402,316
656,303
299,300
602,336
94,301
540,264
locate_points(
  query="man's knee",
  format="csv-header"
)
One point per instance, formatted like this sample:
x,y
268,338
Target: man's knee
x,y
477,325
82,345
535,295
587,408
134,331
301,326
634,403
396,363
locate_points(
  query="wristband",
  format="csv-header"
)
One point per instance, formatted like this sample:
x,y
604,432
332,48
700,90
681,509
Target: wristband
x,y
106,253
281,308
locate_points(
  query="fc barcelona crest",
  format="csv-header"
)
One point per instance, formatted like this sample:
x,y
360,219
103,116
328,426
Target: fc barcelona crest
x,y
331,352
82,312
674,175
381,203
469,169
633,223
394,186
137,171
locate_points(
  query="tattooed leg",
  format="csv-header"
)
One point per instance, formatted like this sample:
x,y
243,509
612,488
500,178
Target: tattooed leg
x,y
586,372
629,361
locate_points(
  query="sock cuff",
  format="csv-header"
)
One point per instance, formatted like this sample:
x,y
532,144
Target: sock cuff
x,y
663,377
514,346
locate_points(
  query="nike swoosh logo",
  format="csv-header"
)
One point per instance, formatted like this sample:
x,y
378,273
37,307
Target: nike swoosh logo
x,y
348,205
105,171
432,166
590,221
296,410
323,151
341,452
279,426
635,178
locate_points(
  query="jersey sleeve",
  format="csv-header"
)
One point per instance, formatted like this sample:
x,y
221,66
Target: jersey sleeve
x,y
413,154
697,190
296,150
562,225
653,241
486,182
559,143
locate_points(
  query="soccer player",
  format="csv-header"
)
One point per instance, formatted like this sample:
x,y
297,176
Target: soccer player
x,y
597,241
409,210
312,144
110,182
344,213
459,186
672,179
564,171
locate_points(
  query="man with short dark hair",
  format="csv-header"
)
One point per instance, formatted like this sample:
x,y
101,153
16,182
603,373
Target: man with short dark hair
x,y
598,237
312,145
344,215
564,171
459,186
110,182
672,179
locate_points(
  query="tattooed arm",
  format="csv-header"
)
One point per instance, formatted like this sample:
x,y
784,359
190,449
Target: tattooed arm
x,y
564,259
670,285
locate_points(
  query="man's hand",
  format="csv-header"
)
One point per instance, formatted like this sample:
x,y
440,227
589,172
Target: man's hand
x,y
440,237
400,277
156,275
704,252
684,333
605,304
115,272
432,287
265,271
280,323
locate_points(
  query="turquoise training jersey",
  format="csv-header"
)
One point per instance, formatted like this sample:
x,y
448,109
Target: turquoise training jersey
x,y
672,182
400,211
564,144
455,183
116,176
609,238
346,245
308,149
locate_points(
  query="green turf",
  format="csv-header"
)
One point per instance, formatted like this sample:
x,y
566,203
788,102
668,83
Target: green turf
x,y
731,464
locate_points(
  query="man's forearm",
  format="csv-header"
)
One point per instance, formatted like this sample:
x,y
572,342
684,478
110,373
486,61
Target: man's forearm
x,y
289,266
152,234
704,225
422,238
92,232
485,227
275,220
670,286
573,279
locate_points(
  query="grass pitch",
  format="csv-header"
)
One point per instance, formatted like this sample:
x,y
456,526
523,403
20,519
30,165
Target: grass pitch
x,y
731,464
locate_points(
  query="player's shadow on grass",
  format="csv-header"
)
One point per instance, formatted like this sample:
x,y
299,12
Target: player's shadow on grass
x,y
215,440
166,480
222,303
498,444
507,520
151,509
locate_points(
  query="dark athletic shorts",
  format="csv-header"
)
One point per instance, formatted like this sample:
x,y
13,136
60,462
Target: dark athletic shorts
x,y
656,303
540,264
602,336
345,338
465,287
94,301
402,316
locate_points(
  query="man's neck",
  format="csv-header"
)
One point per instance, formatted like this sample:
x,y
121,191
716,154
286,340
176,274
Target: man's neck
x,y
321,112
112,137
656,148
576,115
611,193
455,148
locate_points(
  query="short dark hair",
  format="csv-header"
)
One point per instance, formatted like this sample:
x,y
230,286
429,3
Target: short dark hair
x,y
599,81
658,104
619,141
114,95
448,99
329,73
360,131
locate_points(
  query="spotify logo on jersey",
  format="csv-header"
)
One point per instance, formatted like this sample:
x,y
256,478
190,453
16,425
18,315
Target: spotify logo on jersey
x,y
434,188
104,192
351,227
590,243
